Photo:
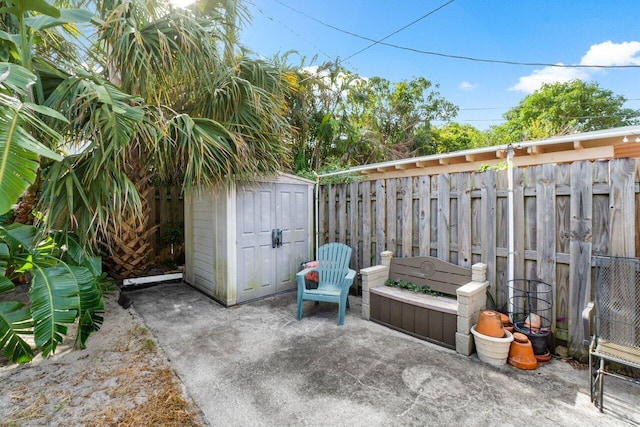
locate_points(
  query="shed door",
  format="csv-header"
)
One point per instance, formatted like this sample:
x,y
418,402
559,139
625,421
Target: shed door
x,y
263,270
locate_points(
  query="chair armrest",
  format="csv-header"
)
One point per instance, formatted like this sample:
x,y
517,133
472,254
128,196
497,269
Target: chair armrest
x,y
587,321
350,275
348,280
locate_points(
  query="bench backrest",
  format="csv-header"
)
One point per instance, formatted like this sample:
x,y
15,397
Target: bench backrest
x,y
440,276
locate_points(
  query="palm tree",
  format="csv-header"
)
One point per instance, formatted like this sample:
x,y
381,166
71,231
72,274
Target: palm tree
x,y
210,115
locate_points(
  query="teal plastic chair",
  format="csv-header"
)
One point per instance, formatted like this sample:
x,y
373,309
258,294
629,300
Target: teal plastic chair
x,y
335,279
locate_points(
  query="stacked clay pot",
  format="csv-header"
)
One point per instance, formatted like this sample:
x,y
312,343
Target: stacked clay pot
x,y
490,324
491,339
521,353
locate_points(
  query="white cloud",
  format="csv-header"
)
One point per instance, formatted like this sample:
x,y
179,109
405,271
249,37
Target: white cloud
x,y
535,80
609,53
465,85
606,53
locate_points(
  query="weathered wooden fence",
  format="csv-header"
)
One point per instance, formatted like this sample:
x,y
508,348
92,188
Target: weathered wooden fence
x,y
167,207
562,213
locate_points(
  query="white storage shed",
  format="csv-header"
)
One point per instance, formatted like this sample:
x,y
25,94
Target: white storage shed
x,y
248,242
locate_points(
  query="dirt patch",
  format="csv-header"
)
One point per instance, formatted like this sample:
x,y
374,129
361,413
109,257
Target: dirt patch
x,y
122,378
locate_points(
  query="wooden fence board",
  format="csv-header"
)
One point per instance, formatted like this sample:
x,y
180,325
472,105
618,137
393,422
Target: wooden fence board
x,y
366,224
464,219
488,233
331,216
392,223
444,206
600,221
424,239
322,216
545,235
518,222
341,213
579,251
406,190
380,219
622,206
354,236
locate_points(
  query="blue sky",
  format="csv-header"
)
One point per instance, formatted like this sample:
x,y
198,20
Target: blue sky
x,y
568,32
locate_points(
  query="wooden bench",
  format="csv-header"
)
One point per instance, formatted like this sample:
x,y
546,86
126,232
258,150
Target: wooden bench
x,y
445,320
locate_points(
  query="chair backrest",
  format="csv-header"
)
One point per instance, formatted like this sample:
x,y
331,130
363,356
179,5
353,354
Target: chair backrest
x,y
617,295
333,262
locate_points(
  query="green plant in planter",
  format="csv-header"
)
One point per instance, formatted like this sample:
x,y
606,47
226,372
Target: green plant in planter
x,y
172,236
65,286
403,284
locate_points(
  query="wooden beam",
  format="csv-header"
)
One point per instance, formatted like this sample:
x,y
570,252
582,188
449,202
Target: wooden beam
x,y
501,154
444,161
401,167
577,145
536,149
470,157
420,164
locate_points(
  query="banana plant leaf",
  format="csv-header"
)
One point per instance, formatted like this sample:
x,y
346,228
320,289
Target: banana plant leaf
x,y
54,305
15,320
90,305
6,285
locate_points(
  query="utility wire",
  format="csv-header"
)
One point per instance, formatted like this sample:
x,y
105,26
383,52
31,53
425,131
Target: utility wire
x,y
399,30
271,18
508,108
445,55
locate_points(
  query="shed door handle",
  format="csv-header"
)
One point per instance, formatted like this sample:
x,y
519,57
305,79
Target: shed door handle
x,y
276,238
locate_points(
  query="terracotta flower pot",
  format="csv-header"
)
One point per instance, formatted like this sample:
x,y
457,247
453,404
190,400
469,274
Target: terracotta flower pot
x,y
521,353
490,324
491,350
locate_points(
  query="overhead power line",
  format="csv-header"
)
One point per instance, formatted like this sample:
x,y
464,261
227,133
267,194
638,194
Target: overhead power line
x,y
295,33
446,55
400,29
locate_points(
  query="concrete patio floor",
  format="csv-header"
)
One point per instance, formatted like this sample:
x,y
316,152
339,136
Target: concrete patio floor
x,y
256,365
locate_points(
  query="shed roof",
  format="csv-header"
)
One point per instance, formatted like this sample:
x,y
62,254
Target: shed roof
x,y
595,145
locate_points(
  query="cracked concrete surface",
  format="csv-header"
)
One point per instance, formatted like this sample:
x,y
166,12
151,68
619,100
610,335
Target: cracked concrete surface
x,y
255,364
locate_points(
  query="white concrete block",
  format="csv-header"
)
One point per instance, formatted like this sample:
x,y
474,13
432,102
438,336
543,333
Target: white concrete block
x,y
465,310
464,344
366,311
479,272
464,324
385,258
473,288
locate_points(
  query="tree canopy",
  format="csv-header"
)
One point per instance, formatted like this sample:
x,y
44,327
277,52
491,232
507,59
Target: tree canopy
x,y
342,119
563,108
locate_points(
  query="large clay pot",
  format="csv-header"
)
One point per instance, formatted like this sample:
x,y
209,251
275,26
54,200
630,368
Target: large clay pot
x,y
490,324
521,353
491,350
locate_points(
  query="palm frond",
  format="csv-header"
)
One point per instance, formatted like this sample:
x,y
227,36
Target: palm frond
x,y
90,189
149,51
